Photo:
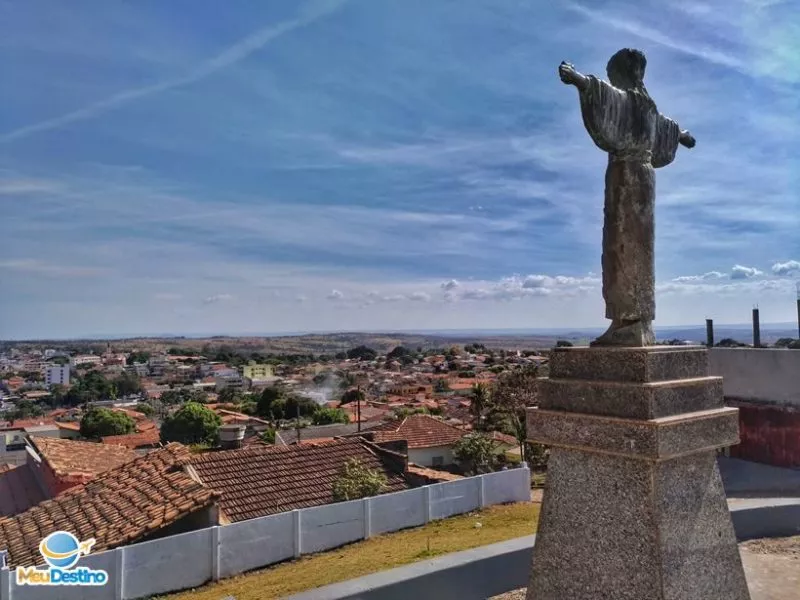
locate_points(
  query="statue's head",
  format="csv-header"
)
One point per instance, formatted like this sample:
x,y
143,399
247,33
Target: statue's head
x,y
626,69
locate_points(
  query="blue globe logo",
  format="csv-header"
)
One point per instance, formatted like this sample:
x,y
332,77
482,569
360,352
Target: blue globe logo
x,y
61,549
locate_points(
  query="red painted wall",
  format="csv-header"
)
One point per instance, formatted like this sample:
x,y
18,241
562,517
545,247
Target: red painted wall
x,y
769,435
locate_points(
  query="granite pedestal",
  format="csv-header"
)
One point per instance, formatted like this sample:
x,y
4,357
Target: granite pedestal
x,y
634,507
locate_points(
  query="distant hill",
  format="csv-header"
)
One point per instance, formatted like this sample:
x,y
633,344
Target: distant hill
x,y
332,342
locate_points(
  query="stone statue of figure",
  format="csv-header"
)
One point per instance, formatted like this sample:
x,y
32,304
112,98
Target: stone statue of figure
x,y
623,120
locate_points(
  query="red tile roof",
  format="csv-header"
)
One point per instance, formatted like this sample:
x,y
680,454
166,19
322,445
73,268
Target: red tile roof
x,y
70,459
19,490
261,480
421,431
119,507
142,439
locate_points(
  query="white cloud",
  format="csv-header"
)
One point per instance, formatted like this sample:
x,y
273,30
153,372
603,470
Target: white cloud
x,y
420,297
35,266
166,296
300,298
26,186
450,285
711,275
640,30
789,267
741,272
217,298
335,295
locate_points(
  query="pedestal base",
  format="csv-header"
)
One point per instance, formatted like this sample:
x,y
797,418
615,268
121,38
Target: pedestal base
x,y
634,507
614,528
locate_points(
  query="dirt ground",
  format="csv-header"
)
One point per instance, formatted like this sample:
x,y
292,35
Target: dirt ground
x,y
772,568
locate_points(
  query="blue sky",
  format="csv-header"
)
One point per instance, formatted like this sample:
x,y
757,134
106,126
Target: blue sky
x,y
256,166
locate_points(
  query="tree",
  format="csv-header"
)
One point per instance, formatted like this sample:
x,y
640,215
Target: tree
x,y
362,353
184,395
137,357
299,405
100,422
128,384
266,404
514,392
57,394
268,435
563,344
356,480
192,423
25,409
788,342
353,395
228,395
441,385
729,343
398,352
475,450
144,408
479,403
329,416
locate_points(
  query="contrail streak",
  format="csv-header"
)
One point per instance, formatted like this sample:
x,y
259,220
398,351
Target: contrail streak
x,y
240,50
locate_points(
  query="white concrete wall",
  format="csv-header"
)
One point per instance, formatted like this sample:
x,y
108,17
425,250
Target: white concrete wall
x,y
332,525
172,563
251,544
424,456
455,497
392,512
191,559
765,374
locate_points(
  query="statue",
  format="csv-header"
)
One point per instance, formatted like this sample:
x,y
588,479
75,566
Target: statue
x,y
623,120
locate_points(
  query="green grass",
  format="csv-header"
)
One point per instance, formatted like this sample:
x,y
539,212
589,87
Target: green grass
x,y
498,523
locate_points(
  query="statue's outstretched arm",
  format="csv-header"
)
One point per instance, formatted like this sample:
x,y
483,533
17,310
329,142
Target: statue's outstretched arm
x,y
687,139
570,76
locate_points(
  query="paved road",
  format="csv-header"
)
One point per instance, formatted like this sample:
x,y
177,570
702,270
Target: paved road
x,y
772,568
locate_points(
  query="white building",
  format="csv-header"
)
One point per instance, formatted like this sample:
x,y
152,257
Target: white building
x,y
85,359
56,375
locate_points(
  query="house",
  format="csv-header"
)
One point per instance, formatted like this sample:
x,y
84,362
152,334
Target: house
x,y
320,432
144,499
60,464
19,490
258,371
430,440
141,440
261,480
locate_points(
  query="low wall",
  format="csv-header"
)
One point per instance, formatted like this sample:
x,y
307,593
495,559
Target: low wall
x,y
758,374
495,569
191,559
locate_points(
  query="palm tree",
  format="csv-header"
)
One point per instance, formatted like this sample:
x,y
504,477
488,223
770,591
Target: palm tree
x,y
479,403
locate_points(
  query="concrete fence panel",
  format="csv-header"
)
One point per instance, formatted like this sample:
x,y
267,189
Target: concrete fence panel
x,y
330,526
513,485
101,560
167,564
255,543
392,512
455,497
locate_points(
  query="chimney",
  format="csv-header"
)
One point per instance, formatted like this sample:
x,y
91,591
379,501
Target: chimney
x,y
756,329
231,436
710,333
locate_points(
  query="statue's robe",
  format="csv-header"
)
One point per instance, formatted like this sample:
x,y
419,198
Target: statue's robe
x,y
627,125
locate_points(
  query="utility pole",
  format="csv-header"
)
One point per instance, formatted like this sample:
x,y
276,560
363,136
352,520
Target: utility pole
x,y
798,310
297,423
358,408
756,328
